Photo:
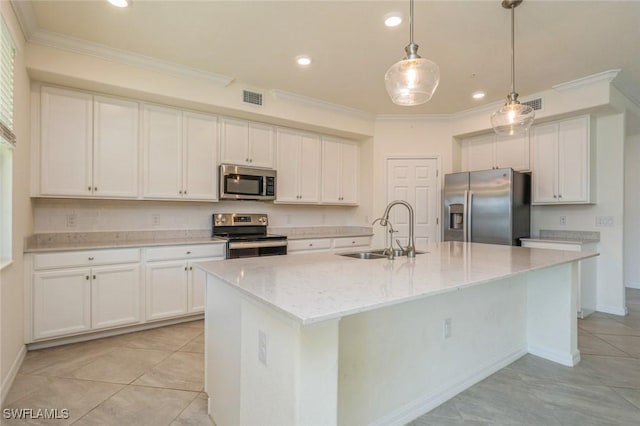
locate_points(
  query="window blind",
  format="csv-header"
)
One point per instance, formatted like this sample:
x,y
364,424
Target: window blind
x,y
7,57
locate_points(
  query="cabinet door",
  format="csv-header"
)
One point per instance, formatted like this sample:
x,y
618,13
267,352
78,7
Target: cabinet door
x,y
350,174
478,153
200,147
166,289
197,285
513,151
261,145
309,181
66,143
545,163
61,302
162,136
115,295
331,170
288,166
115,148
573,160
234,140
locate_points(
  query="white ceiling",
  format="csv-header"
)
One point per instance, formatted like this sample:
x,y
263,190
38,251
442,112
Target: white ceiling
x,y
256,42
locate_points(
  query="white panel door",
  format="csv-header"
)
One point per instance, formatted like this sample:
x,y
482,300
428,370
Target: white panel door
x,y
545,163
288,166
166,289
478,153
350,173
115,148
115,295
573,160
162,136
234,141
414,180
331,170
66,143
309,159
200,153
261,145
61,302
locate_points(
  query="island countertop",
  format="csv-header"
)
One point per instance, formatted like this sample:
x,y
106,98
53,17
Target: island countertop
x,y
316,287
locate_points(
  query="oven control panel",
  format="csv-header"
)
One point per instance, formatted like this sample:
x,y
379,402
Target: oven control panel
x,y
240,219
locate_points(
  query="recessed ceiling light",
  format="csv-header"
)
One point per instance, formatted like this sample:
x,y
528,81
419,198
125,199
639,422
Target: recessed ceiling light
x,y
303,60
478,95
120,3
393,19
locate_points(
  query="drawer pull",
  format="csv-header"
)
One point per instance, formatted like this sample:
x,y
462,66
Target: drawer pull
x,y
89,188
185,268
191,268
188,252
87,277
91,258
310,244
94,277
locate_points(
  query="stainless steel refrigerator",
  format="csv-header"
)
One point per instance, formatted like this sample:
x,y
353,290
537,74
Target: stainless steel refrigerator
x,y
488,206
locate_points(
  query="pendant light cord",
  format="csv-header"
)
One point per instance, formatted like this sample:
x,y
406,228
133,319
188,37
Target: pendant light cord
x,y
411,22
513,48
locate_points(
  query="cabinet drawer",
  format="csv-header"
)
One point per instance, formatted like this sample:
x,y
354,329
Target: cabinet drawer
x,y
186,251
69,259
351,242
312,244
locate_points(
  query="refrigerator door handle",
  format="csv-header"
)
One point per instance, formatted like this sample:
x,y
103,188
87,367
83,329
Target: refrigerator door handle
x,y
465,216
469,214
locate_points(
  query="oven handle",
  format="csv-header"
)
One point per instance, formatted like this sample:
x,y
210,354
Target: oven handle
x,y
256,244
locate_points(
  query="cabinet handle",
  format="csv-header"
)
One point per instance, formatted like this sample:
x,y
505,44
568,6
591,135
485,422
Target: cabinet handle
x,y
185,192
560,196
251,160
353,242
91,258
246,159
94,277
191,268
95,188
188,252
87,277
555,196
310,244
180,192
89,188
185,268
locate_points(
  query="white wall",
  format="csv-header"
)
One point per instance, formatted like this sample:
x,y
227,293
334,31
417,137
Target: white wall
x,y
11,278
632,212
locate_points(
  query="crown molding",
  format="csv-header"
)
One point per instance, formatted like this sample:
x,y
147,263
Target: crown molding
x,y
606,76
324,105
414,117
26,17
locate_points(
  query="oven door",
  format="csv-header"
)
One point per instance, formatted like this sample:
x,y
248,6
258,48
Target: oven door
x,y
239,249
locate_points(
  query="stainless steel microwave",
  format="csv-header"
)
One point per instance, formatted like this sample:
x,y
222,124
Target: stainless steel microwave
x,y
246,183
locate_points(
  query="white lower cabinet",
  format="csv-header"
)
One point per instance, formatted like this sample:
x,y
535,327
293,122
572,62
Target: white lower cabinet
x,y
79,291
174,286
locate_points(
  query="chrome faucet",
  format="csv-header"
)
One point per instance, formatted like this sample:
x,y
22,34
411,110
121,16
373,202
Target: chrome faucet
x,y
410,249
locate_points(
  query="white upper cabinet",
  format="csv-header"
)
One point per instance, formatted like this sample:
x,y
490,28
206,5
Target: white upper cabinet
x,y
115,147
180,159
340,171
245,143
88,145
298,165
490,151
562,161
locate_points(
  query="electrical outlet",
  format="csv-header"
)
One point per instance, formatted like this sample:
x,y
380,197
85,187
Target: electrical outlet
x,y
563,220
72,219
262,347
604,221
446,328
155,220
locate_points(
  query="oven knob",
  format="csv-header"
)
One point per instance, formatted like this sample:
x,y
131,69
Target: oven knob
x,y
223,219
262,220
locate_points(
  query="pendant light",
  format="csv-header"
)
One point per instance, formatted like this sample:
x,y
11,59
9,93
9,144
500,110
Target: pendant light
x,y
412,80
512,118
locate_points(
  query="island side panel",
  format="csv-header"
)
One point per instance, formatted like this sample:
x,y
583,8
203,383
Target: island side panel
x,y
396,364
551,311
294,381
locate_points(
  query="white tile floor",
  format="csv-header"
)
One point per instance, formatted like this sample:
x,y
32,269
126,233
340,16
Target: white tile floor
x,y
155,377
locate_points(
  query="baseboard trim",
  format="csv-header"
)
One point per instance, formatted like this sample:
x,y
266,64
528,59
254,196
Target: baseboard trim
x,y
568,360
428,402
11,376
615,310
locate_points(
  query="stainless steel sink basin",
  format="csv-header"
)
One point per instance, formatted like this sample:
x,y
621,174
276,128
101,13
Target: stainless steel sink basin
x,y
375,254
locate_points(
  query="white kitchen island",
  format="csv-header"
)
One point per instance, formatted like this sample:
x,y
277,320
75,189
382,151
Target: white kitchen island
x,y
323,339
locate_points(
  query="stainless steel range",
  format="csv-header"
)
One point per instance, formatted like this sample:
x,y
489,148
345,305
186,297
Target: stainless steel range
x,y
247,235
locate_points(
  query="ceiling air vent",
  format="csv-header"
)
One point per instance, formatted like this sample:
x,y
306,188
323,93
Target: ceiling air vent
x,y
254,98
536,104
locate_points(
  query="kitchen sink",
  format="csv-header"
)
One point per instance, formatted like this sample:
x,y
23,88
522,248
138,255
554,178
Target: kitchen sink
x,y
375,254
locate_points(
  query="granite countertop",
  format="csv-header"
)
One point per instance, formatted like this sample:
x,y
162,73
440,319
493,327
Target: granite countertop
x,y
316,287
107,240
562,236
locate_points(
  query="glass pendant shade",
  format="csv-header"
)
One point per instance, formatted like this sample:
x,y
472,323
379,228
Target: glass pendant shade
x,y
513,118
412,81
